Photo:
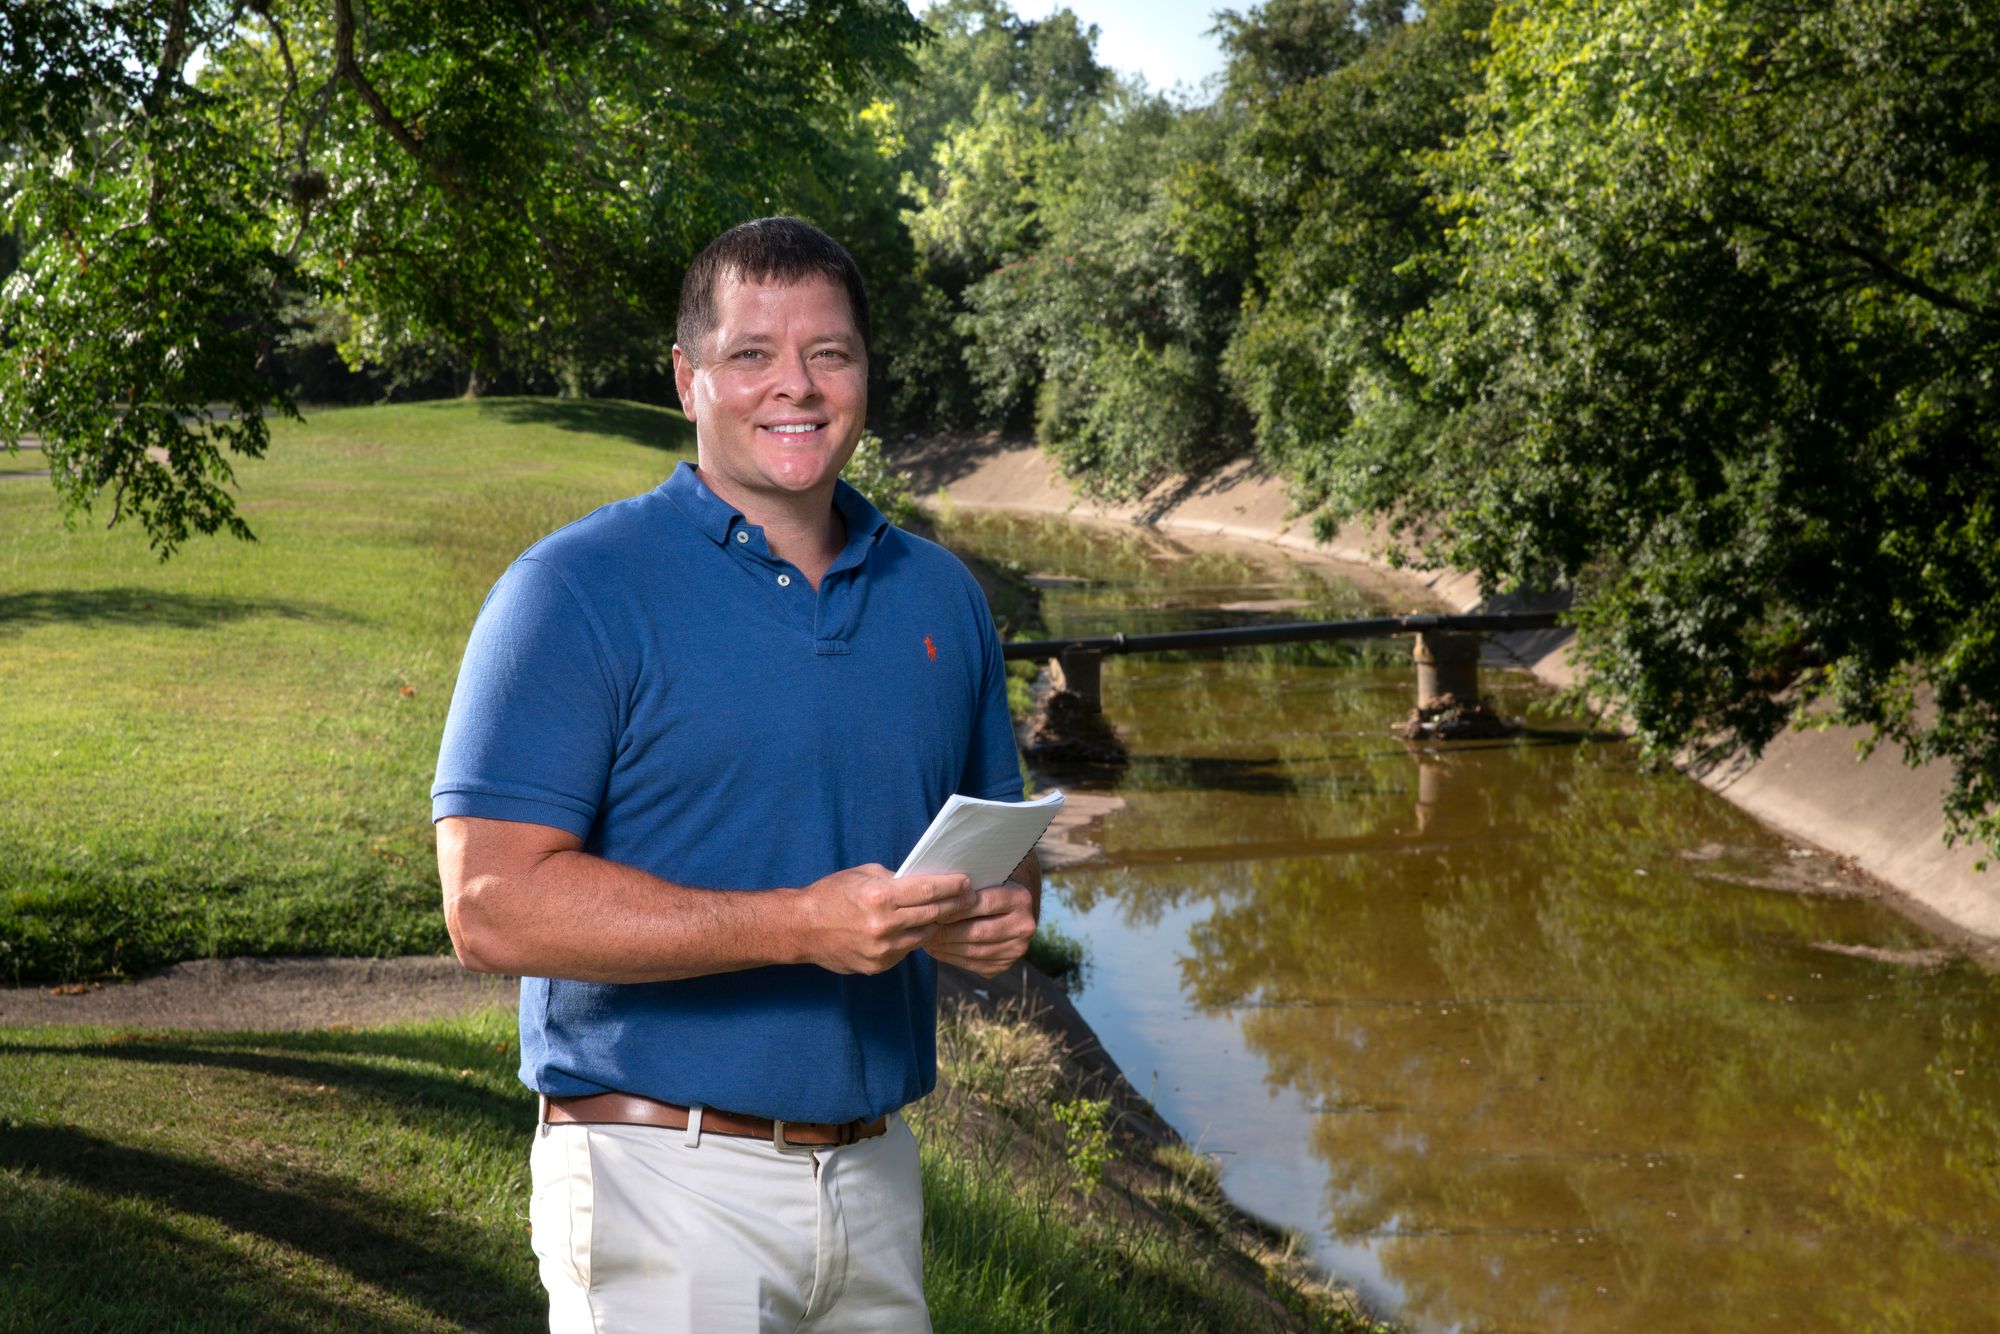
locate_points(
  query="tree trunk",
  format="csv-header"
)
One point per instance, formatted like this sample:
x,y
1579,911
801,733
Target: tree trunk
x,y
485,358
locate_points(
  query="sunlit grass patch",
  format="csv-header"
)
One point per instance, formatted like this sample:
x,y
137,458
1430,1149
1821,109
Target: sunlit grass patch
x,y
231,753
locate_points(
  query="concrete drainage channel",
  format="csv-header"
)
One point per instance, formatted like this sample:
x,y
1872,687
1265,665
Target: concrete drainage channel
x,y
1883,816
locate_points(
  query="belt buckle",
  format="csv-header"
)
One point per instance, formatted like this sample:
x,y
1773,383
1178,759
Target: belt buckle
x,y
783,1145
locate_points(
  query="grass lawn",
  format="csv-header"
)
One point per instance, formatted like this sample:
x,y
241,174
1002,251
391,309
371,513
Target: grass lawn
x,y
310,1181
231,753
378,1180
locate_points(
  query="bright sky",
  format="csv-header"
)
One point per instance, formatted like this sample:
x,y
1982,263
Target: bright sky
x,y
1162,39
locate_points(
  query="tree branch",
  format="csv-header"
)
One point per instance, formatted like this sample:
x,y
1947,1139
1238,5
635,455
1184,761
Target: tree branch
x,y
307,125
349,69
291,74
1877,264
173,55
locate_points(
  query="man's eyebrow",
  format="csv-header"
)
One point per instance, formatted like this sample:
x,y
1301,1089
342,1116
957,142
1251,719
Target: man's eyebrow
x,y
846,339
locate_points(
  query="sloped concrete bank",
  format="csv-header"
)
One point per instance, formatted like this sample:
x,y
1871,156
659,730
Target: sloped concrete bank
x,y
1880,813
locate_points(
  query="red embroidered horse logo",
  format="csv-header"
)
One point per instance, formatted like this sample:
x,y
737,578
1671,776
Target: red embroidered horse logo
x,y
930,648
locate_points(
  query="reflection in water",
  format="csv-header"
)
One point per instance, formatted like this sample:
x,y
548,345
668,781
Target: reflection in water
x,y
1525,1038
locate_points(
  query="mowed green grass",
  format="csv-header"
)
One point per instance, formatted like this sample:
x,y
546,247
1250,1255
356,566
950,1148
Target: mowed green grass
x,y
291,1181
378,1180
230,752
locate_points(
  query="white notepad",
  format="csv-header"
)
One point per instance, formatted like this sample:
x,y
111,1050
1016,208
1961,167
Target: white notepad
x,y
983,839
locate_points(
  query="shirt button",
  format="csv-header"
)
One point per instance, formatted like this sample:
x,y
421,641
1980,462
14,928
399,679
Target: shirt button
x,y
742,535
784,581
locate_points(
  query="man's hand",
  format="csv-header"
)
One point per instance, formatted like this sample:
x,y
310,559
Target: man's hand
x,y
992,935
864,920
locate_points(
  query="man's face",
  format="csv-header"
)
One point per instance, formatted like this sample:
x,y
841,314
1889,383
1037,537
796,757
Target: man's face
x,y
779,394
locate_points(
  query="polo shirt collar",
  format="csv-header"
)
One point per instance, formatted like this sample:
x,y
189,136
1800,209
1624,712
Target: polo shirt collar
x,y
864,522
715,517
707,511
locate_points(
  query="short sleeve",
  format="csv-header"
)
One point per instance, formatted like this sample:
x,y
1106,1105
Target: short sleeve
x,y
536,713
992,762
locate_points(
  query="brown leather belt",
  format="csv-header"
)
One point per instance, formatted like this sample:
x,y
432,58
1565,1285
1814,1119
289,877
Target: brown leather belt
x,y
629,1109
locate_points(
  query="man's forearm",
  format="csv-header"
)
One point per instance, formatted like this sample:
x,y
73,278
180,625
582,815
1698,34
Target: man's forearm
x,y
581,917
526,899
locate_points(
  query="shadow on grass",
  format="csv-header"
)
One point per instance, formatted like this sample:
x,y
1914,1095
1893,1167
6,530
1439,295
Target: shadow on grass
x,y
79,1261
410,1096
656,428
147,607
430,1263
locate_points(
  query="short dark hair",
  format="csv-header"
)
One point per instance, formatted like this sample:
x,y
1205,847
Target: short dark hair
x,y
784,249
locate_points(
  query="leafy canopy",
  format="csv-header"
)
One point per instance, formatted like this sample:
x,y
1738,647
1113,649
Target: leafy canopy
x,y
513,185
1714,344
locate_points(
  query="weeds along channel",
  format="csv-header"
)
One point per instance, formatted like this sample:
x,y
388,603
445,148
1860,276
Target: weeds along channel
x,y
1038,1162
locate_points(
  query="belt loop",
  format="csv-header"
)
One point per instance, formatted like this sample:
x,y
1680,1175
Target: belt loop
x,y
693,1137
542,1113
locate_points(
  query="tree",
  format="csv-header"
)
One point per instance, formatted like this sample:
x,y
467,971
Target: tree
x,y
983,45
1283,44
1098,321
1693,313
1321,204
1715,345
509,186
1262,236
993,98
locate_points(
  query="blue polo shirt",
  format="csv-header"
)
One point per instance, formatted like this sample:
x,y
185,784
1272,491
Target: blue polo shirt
x,y
653,680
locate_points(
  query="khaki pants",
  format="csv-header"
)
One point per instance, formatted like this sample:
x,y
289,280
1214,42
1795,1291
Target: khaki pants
x,y
639,1228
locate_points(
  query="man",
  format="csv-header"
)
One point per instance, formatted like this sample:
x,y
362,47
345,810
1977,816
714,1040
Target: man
x,y
689,731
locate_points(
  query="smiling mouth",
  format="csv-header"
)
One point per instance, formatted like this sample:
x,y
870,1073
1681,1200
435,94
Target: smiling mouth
x,y
796,428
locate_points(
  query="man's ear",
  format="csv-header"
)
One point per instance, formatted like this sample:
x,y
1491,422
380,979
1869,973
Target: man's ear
x,y
684,381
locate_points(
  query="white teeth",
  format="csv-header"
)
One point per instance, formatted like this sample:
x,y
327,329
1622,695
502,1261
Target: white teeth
x,y
799,429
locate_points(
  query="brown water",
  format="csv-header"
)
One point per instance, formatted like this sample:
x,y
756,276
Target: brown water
x,y
1516,1035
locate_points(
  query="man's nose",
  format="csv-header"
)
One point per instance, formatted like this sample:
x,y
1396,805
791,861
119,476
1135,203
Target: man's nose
x,y
795,377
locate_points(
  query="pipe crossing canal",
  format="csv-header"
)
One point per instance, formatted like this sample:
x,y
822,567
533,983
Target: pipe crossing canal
x,y
1516,1034
1447,650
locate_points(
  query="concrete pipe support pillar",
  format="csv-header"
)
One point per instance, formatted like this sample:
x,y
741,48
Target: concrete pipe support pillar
x,y
1081,672
1447,664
